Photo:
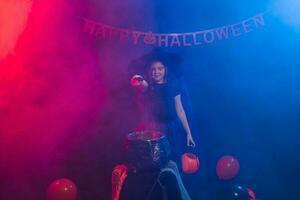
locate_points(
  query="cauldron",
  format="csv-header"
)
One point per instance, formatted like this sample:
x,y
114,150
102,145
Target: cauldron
x,y
147,150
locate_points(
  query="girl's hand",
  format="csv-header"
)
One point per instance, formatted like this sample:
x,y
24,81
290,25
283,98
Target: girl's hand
x,y
138,82
190,141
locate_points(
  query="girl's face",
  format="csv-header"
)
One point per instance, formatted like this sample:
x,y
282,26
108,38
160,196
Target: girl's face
x,y
157,72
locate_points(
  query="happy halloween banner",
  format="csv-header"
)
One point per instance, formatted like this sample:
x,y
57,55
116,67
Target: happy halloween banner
x,y
107,32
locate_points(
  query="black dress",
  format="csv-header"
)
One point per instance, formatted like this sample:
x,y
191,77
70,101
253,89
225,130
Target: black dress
x,y
157,112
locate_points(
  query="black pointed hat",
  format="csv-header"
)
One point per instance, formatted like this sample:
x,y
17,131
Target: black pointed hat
x,y
171,60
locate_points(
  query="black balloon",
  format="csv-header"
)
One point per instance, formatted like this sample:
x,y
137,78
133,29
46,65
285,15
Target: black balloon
x,y
235,192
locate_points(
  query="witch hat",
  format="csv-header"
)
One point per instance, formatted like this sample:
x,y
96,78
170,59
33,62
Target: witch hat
x,y
172,61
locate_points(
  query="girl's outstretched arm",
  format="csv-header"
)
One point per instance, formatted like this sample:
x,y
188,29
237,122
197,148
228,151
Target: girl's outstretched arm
x,y
139,83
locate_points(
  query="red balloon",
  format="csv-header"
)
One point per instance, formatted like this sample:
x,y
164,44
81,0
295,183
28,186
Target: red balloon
x,y
251,194
190,163
62,189
227,167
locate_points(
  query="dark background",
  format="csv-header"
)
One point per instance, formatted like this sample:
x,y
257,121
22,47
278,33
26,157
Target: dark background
x,y
69,106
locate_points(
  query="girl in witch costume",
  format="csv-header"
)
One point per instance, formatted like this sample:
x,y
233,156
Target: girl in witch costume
x,y
159,100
